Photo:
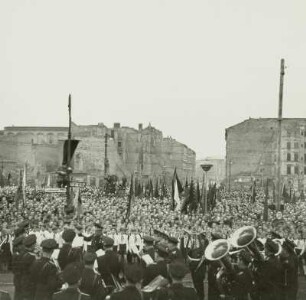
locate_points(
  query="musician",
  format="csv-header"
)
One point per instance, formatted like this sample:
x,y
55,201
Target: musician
x,y
16,265
160,267
177,271
148,247
91,281
108,264
132,290
67,254
97,240
175,252
271,272
27,287
72,276
44,272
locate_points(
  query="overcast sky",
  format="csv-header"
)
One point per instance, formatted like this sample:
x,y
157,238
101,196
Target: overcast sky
x,y
191,68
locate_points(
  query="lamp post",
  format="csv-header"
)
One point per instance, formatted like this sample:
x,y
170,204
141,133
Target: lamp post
x,y
205,167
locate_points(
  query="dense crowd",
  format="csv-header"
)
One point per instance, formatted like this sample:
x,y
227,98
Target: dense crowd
x,y
45,216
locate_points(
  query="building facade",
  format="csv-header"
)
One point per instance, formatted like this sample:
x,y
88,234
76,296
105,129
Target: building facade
x,y
117,151
252,151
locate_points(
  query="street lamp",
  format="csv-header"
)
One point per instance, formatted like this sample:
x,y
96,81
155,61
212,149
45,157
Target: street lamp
x,y
205,167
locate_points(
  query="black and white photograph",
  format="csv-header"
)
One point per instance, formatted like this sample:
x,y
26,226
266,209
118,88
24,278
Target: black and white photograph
x,y
152,150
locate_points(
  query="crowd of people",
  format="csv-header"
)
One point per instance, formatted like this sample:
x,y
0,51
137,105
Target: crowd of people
x,y
99,248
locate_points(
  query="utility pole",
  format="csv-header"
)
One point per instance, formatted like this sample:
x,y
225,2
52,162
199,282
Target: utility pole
x,y
69,153
106,162
279,141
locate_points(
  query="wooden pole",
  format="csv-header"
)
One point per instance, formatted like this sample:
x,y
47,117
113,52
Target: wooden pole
x,y
279,141
69,152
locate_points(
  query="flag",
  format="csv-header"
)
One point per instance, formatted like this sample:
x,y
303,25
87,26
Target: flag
x,y
265,214
73,146
285,193
193,203
151,188
156,192
80,206
253,191
176,191
131,197
198,196
19,193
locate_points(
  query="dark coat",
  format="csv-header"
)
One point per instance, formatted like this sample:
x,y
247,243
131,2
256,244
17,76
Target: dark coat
x,y
27,285
45,275
91,284
71,293
129,293
177,291
109,264
68,255
152,271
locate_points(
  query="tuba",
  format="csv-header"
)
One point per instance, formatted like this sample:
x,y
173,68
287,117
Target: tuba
x,y
244,237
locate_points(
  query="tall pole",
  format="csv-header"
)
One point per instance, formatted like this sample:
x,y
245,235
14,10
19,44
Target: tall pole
x,y
69,151
279,141
106,164
205,193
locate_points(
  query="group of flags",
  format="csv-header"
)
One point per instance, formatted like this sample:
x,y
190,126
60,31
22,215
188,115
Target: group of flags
x,y
20,194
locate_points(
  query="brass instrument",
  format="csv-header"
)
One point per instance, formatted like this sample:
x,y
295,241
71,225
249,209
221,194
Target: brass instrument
x,y
117,284
158,282
244,237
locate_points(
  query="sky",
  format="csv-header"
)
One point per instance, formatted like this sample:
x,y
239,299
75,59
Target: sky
x,y
190,68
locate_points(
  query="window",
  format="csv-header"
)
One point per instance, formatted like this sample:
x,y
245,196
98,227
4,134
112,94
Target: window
x,y
305,158
288,170
296,157
296,170
119,144
304,144
288,156
304,170
296,145
289,145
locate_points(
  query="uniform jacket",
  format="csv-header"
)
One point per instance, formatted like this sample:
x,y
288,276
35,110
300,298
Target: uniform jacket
x,y
91,284
109,264
68,255
177,292
27,285
130,293
71,293
45,275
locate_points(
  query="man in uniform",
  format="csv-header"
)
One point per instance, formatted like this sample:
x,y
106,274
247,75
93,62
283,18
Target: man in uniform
x,y
16,265
108,264
175,252
91,282
176,290
97,241
44,272
27,287
67,254
148,246
160,268
72,276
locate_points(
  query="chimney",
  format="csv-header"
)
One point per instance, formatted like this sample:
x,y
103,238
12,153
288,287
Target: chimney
x,y
140,126
116,125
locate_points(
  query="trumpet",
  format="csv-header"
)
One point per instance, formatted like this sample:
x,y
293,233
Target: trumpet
x,y
244,237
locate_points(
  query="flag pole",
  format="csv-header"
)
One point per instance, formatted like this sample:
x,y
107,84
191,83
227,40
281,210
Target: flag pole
x,y
69,152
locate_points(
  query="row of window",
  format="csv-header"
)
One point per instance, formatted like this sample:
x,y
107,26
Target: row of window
x,y
295,157
295,145
294,170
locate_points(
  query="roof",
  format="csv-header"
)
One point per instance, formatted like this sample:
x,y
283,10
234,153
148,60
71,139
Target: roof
x,y
35,128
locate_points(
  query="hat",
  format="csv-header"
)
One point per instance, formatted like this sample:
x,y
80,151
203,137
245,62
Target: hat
x,y
30,240
89,257
18,241
88,238
177,270
79,227
173,240
108,242
49,244
272,247
24,224
68,235
289,246
215,236
148,239
162,250
133,273
72,273
275,235
98,226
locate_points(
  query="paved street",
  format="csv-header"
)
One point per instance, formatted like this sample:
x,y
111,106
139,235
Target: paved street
x,y
7,279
